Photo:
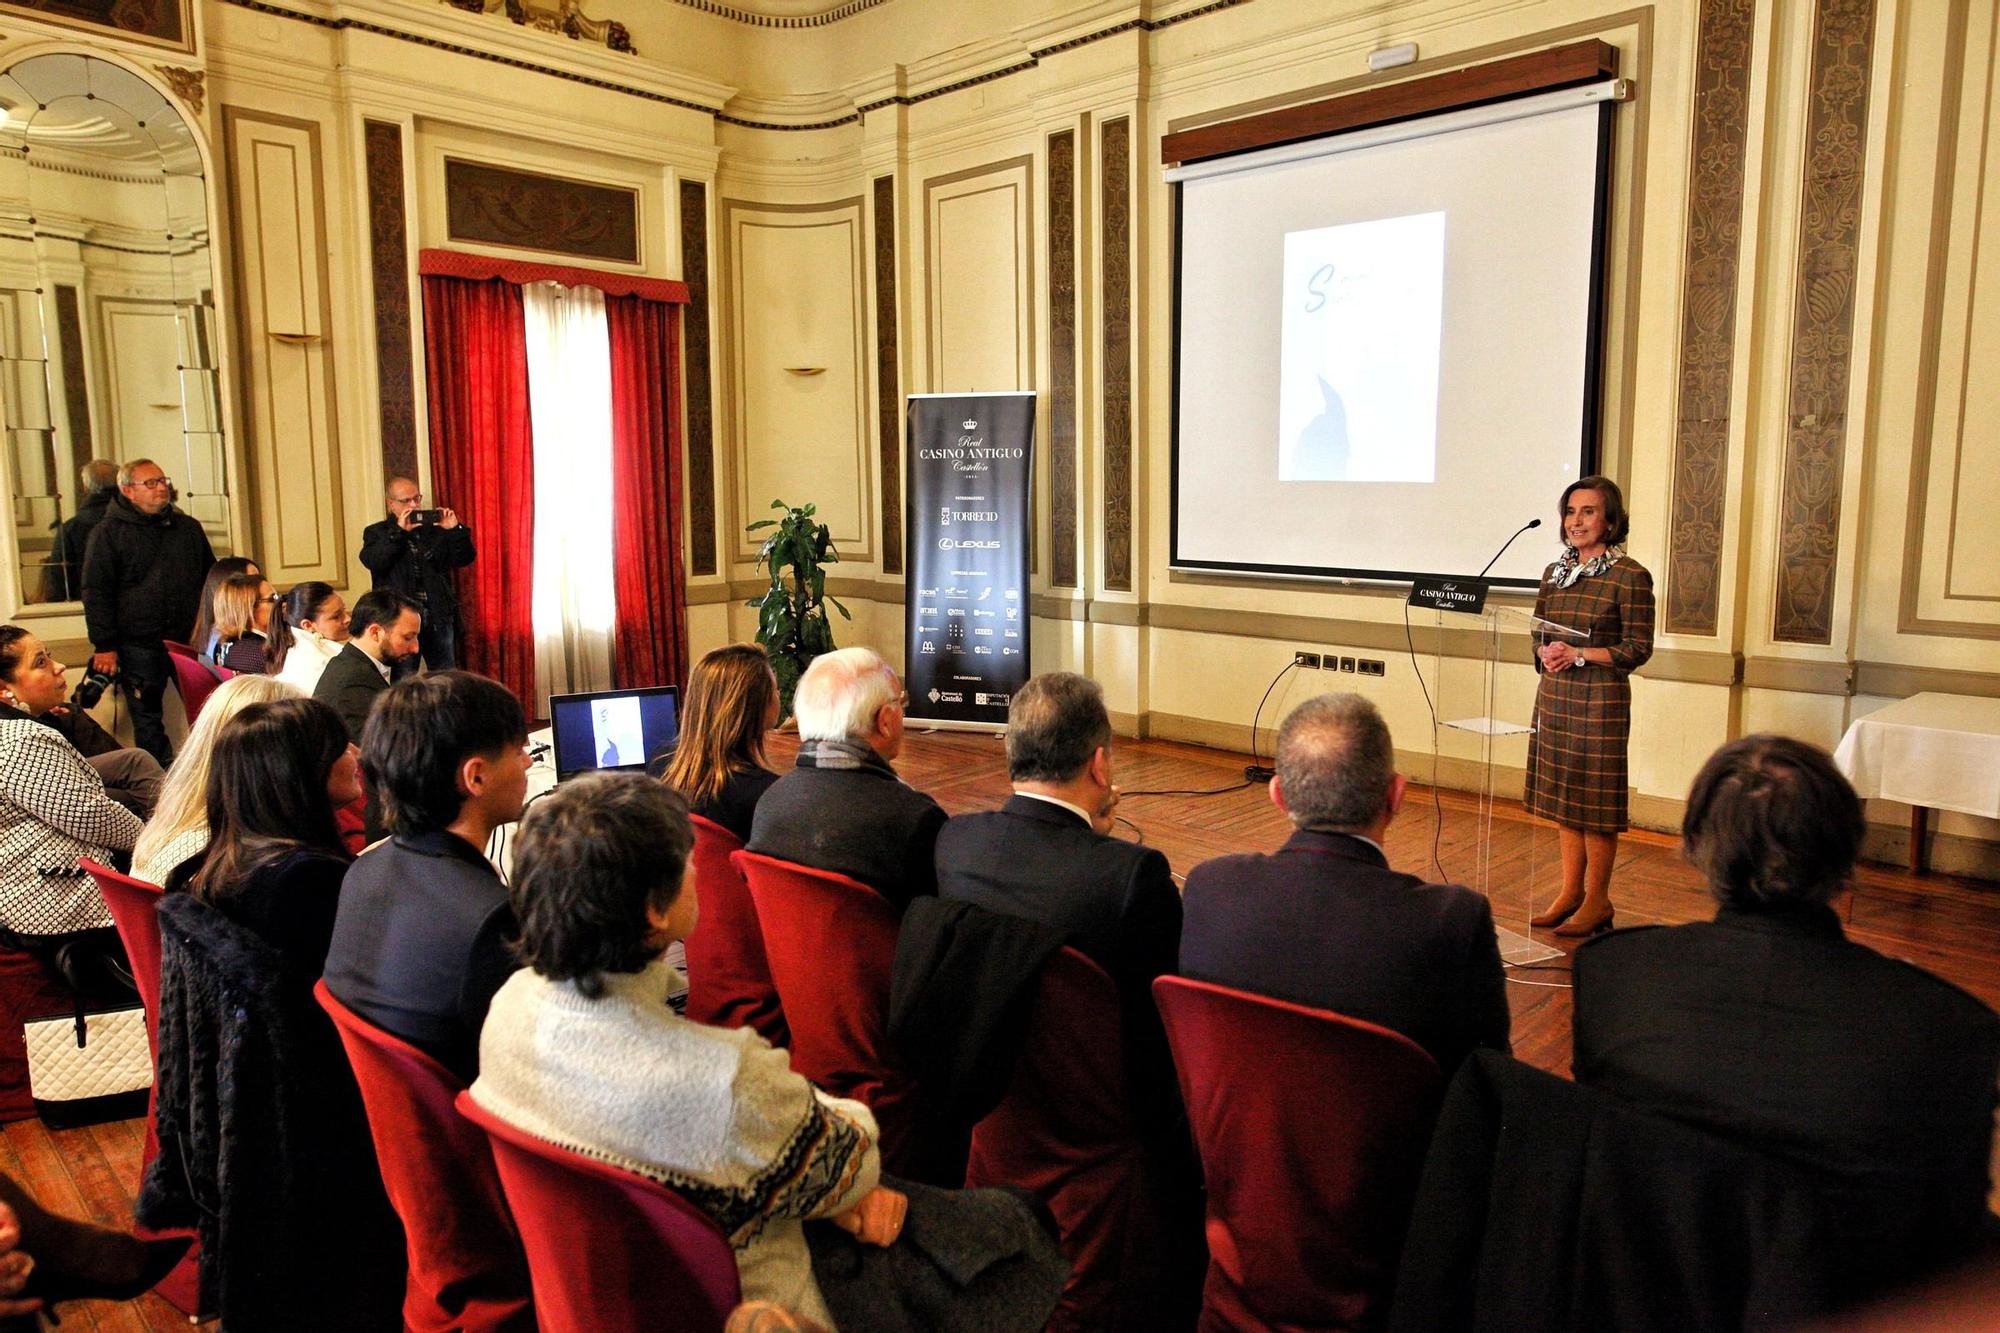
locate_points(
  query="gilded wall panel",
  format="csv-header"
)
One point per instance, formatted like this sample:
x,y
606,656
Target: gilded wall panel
x,y
389,276
1062,360
700,397
1115,149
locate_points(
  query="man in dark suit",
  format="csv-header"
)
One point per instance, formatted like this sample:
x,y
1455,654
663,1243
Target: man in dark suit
x,y
1047,854
382,634
842,808
418,559
1769,1026
422,938
1325,922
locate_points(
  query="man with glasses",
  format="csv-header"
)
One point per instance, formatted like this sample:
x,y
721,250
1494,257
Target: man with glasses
x,y
414,557
142,577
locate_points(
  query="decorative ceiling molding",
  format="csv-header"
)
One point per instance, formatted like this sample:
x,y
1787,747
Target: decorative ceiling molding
x,y
792,17
186,83
564,19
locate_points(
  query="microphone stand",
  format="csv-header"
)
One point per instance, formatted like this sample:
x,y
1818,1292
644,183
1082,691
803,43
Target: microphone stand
x,y
1531,523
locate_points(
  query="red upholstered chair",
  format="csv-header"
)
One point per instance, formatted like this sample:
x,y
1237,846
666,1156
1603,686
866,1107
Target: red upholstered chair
x,y
609,1249
729,979
1065,1131
831,943
194,678
134,906
467,1269
1312,1130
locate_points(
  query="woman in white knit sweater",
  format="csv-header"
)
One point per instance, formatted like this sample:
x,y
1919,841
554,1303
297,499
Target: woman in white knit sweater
x,y
580,1048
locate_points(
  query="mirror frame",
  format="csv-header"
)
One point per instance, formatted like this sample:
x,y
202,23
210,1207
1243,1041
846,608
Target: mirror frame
x,y
64,620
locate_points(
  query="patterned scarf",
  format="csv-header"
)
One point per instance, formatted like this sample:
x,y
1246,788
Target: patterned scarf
x,y
1569,569
842,754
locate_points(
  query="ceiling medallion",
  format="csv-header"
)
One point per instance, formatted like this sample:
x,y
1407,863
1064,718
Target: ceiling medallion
x,y
564,17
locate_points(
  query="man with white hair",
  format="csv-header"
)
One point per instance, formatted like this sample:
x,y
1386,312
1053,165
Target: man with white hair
x,y
843,808
1325,922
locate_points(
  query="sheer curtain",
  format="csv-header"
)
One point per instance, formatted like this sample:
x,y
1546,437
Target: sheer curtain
x,y
569,394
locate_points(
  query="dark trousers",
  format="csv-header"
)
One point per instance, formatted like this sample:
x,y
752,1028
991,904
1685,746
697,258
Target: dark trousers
x,y
143,673
440,642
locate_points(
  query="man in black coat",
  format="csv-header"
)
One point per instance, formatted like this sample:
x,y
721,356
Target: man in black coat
x,y
842,807
383,632
1325,922
417,560
142,577
65,567
423,936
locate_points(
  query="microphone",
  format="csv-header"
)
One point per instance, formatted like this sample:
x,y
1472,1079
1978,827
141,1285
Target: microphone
x,y
1531,523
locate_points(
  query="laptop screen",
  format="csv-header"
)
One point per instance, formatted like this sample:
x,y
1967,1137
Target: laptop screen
x,y
614,730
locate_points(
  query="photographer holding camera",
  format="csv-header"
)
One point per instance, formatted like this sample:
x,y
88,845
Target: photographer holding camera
x,y
142,577
413,552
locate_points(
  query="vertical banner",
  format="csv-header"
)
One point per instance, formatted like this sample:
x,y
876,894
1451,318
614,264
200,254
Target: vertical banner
x,y
965,598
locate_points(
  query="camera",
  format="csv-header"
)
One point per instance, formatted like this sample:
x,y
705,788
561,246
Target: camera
x,y
428,518
90,689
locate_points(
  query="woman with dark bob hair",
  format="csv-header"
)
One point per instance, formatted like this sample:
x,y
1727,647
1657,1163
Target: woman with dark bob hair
x,y
1583,705
1769,1026
580,1048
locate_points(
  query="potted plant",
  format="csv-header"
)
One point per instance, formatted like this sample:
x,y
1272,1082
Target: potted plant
x,y
792,622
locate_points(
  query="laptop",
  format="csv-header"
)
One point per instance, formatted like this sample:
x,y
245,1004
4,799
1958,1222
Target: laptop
x,y
614,731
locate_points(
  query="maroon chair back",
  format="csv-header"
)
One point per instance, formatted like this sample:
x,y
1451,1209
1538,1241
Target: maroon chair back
x,y
729,979
831,943
1312,1129
608,1249
1065,1131
195,679
467,1270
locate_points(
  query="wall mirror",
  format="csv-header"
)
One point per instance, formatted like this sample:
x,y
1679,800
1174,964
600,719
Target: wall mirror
x,y
107,304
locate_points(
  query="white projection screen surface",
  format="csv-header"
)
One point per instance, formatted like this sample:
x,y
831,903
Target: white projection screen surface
x,y
1386,355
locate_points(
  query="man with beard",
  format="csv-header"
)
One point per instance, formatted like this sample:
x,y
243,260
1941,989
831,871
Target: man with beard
x,y
384,632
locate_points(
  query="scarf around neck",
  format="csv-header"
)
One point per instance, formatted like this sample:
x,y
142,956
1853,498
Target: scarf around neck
x,y
1569,569
843,754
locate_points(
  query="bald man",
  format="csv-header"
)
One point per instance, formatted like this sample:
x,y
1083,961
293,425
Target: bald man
x,y
416,559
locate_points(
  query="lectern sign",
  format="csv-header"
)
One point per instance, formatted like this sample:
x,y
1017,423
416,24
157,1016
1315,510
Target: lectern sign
x,y
1439,594
966,600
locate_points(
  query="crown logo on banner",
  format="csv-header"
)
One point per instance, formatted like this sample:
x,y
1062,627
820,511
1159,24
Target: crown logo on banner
x,y
970,425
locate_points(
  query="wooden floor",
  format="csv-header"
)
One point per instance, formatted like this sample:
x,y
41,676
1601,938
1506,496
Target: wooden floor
x,y
1950,926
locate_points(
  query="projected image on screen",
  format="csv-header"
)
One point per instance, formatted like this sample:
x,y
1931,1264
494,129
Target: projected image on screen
x,y
1358,376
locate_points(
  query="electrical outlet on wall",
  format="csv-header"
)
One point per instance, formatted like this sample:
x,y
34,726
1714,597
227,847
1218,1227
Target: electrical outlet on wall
x,y
1306,659
1347,664
1368,666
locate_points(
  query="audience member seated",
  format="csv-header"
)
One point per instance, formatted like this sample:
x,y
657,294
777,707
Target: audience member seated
x,y
264,1144
382,633
843,808
317,617
202,639
581,1049
1769,1027
1325,922
424,933
53,807
131,776
242,623
178,830
718,763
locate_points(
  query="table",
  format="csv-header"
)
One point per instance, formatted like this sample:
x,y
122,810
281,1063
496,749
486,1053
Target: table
x,y
1931,752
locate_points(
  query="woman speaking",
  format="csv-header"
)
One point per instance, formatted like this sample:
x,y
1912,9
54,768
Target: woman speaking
x,y
1583,708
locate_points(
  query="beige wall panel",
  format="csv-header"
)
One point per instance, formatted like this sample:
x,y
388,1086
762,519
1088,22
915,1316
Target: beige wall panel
x,y
979,276
285,367
1819,718
798,353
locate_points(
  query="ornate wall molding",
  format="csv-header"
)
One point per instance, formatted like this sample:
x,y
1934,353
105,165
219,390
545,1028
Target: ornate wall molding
x,y
1708,314
389,279
495,205
700,400
888,380
161,21
1836,146
1062,359
819,18
1115,172
564,18
188,84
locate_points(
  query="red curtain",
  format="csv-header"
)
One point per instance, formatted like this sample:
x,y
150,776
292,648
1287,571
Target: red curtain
x,y
483,465
648,581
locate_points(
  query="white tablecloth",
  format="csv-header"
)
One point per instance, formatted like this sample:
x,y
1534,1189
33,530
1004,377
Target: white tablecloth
x,y
1935,750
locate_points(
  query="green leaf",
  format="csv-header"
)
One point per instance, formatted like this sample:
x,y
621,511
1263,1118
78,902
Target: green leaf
x,y
778,504
809,509
838,607
762,523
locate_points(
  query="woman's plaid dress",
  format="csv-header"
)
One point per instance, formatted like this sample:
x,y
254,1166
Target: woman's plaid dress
x,y
1583,715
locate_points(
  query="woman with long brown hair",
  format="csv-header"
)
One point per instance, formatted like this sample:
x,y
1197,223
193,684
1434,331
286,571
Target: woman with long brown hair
x,y
244,607
718,764
203,640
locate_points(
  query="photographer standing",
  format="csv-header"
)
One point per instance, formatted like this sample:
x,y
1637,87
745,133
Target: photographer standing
x,y
142,575
413,552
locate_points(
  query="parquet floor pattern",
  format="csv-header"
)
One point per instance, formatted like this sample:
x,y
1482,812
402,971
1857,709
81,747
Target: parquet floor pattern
x,y
1950,926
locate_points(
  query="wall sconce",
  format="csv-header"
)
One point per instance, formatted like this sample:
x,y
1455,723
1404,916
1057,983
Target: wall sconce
x,y
805,370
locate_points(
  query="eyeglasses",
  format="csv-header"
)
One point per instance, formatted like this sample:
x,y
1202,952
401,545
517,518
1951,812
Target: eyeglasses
x,y
409,499
155,483
272,600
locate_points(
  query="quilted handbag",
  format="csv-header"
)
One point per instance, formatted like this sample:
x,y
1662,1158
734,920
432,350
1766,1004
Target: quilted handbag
x,y
91,1062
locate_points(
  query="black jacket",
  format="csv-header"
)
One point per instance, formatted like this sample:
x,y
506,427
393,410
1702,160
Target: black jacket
x,y
860,822
65,564
1325,922
142,576
418,563
421,943
264,1145
1774,1030
350,683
